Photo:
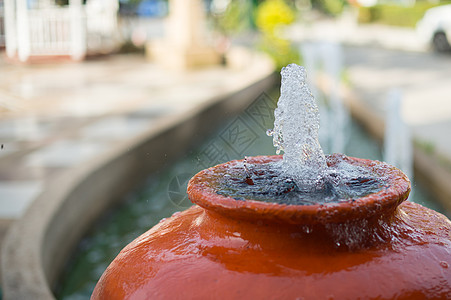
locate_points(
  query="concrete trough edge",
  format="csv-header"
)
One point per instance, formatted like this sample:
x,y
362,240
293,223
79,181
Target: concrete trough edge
x,y
427,169
38,245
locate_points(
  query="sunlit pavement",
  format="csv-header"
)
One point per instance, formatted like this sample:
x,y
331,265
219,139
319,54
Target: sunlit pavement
x,y
56,116
345,29
424,80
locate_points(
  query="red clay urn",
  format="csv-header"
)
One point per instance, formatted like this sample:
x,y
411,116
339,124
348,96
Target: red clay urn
x,y
378,246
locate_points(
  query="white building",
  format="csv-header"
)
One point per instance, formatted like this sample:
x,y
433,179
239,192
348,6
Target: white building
x,y
39,28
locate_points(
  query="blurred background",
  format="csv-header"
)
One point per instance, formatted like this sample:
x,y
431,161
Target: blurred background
x,y
81,78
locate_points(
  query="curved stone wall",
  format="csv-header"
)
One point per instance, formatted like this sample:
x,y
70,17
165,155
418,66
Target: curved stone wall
x,y
38,245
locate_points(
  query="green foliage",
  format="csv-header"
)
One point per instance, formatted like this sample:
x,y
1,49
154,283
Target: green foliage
x,y
329,7
270,16
395,15
426,146
365,15
332,7
280,50
234,19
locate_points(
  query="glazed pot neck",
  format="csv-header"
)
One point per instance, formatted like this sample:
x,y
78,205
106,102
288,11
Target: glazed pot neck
x,y
202,190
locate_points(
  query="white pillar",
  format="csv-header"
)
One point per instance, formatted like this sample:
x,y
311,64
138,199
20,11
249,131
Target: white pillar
x,y
185,45
397,143
333,64
186,18
10,28
23,30
78,30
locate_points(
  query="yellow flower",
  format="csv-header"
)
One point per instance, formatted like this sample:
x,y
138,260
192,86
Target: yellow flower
x,y
273,13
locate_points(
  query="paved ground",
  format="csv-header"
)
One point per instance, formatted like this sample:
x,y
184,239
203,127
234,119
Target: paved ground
x,y
346,30
424,80
55,116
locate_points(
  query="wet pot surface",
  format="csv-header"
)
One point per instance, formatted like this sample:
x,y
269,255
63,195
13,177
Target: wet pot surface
x,y
213,252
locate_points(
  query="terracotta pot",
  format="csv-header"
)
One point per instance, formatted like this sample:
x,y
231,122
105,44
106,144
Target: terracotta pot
x,y
222,248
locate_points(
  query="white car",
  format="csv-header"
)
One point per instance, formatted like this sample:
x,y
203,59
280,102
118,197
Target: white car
x,y
435,28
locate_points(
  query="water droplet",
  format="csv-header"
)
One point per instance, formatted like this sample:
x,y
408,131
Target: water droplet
x,y
269,132
444,264
307,229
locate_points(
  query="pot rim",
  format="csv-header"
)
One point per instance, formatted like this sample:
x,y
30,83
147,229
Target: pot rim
x,y
382,203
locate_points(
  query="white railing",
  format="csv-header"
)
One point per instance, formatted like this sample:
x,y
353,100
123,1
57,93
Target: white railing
x,y
50,31
72,30
101,25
